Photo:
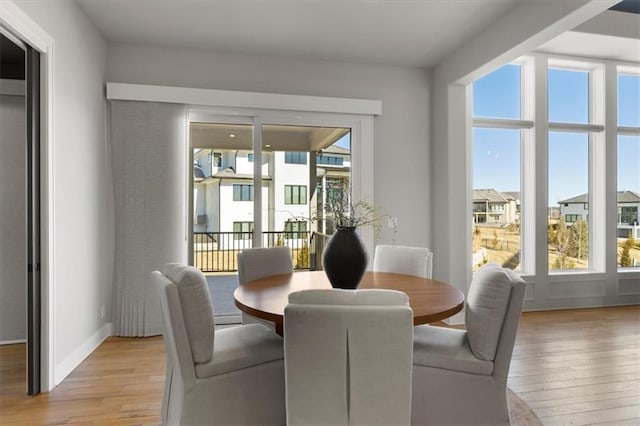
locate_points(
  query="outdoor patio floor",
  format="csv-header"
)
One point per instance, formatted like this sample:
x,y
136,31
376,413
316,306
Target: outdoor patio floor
x,y
221,288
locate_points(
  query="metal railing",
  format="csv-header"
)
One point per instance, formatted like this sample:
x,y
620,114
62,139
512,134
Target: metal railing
x,y
217,251
317,243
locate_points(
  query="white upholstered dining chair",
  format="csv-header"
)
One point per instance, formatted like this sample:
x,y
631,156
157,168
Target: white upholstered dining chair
x,y
256,263
348,357
231,376
460,376
417,261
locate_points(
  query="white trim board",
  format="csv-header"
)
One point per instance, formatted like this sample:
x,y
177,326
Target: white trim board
x,y
72,361
236,99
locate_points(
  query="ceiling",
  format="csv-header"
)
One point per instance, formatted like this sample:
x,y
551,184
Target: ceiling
x,y
594,46
274,137
415,33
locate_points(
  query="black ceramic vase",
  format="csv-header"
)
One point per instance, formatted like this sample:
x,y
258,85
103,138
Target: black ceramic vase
x,y
344,259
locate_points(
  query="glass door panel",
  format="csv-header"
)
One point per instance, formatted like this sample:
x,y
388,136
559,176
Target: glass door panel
x,y
299,165
302,160
223,194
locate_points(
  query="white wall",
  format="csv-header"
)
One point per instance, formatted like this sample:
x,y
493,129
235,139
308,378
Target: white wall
x,y
401,132
288,174
82,190
13,226
574,208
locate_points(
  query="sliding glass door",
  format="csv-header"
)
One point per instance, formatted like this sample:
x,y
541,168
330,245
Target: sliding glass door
x,y
258,184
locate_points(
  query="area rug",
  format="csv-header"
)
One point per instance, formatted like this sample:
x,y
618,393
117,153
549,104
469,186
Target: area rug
x,y
521,414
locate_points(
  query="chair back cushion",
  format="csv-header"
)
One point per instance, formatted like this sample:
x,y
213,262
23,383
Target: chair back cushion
x,y
257,263
348,357
486,306
349,297
196,309
415,261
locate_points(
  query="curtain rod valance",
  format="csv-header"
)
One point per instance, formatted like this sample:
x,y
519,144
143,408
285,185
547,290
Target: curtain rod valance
x,y
235,99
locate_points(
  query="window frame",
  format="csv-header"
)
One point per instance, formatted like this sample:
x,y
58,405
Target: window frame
x,y
527,146
534,126
241,197
292,227
295,157
242,235
289,193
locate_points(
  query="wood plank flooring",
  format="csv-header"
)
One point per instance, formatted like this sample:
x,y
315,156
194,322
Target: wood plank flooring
x,y
579,367
575,367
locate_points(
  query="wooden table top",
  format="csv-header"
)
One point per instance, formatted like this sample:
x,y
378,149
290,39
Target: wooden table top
x,y
267,297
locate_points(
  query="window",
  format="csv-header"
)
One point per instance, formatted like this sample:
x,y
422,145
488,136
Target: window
x,y
294,157
570,218
628,215
329,160
568,96
295,194
294,229
250,157
628,195
568,168
242,192
507,169
217,159
242,230
498,93
628,100
496,168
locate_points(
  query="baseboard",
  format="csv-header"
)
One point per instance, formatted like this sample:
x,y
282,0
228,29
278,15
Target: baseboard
x,y
74,359
12,342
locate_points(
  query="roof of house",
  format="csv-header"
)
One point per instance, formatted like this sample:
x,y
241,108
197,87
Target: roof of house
x,y
335,149
230,173
623,197
514,195
198,174
490,195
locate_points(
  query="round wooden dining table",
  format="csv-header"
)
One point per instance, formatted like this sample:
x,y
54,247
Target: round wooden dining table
x,y
267,297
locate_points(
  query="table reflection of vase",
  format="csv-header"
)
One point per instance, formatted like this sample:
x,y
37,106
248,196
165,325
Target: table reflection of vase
x,y
344,259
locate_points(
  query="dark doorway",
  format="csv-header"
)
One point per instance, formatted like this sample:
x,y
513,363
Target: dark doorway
x,y
20,219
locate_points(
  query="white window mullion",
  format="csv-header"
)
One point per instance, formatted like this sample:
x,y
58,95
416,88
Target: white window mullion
x,y
541,177
628,131
502,123
257,182
610,174
575,127
599,112
528,171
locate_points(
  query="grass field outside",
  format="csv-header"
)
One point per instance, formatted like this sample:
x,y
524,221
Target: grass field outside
x,y
502,246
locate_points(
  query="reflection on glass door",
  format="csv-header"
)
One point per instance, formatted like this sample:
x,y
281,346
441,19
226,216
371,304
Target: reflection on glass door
x,y
299,166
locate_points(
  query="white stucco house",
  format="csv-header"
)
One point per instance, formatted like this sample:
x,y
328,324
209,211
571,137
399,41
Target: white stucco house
x,y
291,193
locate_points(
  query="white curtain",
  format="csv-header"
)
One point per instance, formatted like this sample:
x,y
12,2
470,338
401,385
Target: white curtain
x,y
150,179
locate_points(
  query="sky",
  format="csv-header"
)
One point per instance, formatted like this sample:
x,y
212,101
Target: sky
x,y
345,141
496,152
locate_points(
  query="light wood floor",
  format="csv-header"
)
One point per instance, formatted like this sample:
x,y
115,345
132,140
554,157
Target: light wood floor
x,y
573,367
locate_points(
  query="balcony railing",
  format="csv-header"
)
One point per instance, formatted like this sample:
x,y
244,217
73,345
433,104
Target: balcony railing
x,y
217,251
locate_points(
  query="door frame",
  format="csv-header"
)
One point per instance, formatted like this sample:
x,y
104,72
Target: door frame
x,y
361,152
20,25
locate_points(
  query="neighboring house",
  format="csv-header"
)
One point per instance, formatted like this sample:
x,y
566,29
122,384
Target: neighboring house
x,y
577,207
494,207
224,192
